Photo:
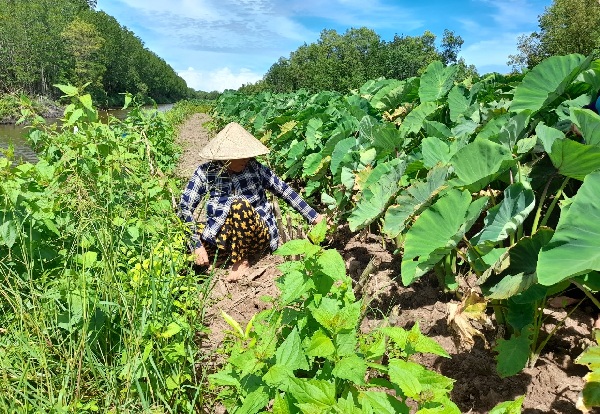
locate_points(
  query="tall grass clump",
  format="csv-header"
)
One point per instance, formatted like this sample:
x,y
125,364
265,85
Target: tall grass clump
x,y
97,312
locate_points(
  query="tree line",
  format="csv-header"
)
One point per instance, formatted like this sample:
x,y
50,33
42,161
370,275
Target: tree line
x,y
48,42
341,62
566,26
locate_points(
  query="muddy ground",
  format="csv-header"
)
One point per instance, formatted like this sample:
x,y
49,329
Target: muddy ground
x,y
552,386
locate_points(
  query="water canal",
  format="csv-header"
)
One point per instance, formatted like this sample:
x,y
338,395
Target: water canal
x,y
15,134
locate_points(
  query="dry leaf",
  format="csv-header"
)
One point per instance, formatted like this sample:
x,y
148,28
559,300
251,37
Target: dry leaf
x,y
562,301
460,317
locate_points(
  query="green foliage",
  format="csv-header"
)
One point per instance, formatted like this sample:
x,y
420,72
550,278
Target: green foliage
x,y
575,246
96,313
566,26
66,41
547,82
492,177
509,407
83,42
590,395
182,110
342,62
9,107
306,353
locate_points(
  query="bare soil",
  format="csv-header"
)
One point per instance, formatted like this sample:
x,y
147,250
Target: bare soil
x,y
552,386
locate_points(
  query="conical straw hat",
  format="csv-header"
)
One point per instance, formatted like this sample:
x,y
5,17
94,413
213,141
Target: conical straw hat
x,y
233,143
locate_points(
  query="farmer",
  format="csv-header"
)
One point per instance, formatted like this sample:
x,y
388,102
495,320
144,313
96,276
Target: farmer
x,y
239,219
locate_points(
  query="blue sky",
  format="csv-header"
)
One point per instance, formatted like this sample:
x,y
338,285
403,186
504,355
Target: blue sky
x,y
220,44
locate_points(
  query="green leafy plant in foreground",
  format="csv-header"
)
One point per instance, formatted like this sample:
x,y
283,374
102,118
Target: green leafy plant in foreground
x,y
95,312
306,354
590,395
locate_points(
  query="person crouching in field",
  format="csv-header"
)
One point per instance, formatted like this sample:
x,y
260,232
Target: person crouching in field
x,y
239,219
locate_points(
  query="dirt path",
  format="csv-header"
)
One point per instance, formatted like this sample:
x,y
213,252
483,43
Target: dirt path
x,y
192,137
551,386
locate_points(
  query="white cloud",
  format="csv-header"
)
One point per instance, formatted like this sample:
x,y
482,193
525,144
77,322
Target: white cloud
x,y
240,26
374,14
492,54
470,26
512,14
186,8
218,79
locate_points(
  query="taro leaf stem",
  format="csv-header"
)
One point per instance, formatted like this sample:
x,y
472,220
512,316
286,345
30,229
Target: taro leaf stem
x,y
538,213
541,346
587,293
499,311
556,198
466,259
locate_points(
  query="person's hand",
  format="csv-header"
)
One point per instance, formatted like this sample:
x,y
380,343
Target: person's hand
x,y
322,217
201,256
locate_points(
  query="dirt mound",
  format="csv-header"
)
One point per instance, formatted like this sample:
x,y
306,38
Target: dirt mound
x,y
550,387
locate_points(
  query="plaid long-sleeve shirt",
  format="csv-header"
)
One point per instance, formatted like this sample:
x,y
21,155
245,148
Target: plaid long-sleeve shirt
x,y
211,180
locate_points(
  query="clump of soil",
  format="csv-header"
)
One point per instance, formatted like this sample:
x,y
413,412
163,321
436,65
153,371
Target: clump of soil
x,y
551,386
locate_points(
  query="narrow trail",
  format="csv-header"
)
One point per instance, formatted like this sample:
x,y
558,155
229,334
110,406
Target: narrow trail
x,y
192,137
241,300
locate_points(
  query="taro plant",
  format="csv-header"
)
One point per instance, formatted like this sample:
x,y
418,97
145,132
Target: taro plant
x,y
480,187
515,170
492,176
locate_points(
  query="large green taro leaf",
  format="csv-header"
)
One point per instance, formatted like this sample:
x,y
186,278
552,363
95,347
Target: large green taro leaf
x,y
389,96
383,136
515,271
437,232
493,127
436,151
588,123
370,87
504,218
418,196
575,246
314,134
573,159
479,163
547,135
547,81
514,130
436,81
437,129
513,353
377,196
458,102
341,152
414,121
464,128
